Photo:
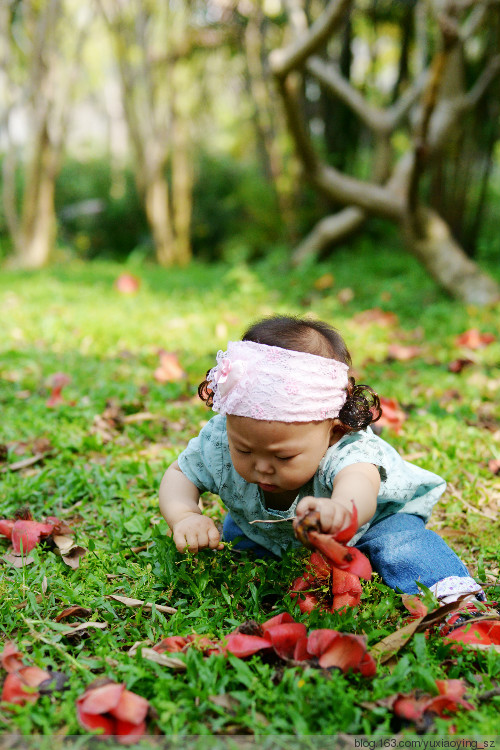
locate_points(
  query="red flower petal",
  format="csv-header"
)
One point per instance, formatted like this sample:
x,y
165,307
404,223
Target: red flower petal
x,y
320,640
96,721
344,582
340,601
318,566
284,638
414,605
173,644
277,620
486,632
10,657
345,652
301,652
6,527
29,533
101,699
451,688
308,602
349,531
17,687
443,705
368,666
245,645
346,558
127,733
131,708
409,707
14,691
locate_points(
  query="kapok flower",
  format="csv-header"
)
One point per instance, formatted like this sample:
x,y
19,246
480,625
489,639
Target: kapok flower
x,y
331,580
25,533
114,709
21,681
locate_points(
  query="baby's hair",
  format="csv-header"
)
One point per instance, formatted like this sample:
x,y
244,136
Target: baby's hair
x,y
362,406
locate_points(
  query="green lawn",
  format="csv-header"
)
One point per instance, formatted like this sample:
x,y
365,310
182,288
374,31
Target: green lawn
x,y
103,481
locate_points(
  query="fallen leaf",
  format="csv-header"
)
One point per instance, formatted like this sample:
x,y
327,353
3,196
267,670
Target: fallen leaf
x,y
474,339
18,561
393,416
494,465
376,316
324,282
169,369
74,611
345,296
18,465
70,551
459,364
140,603
164,661
78,627
403,353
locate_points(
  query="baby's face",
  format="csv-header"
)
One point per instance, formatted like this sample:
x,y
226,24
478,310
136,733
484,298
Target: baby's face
x,y
278,456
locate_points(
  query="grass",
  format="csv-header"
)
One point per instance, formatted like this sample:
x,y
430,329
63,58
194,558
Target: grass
x,y
70,319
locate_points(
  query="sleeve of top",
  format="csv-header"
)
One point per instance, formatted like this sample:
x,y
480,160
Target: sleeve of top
x,y
359,447
201,461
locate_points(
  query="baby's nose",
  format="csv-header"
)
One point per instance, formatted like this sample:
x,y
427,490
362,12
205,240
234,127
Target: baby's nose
x,y
264,466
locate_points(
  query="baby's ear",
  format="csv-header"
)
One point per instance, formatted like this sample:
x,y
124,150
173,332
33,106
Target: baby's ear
x,y
337,430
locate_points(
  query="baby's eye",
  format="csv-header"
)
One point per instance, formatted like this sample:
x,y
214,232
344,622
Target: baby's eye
x,y
245,453
285,458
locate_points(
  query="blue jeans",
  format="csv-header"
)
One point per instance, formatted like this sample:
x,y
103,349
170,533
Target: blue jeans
x,y
400,549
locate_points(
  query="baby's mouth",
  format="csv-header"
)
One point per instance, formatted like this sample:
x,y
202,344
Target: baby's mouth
x,y
268,487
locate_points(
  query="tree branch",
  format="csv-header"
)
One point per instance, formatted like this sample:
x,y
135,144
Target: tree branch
x,y
331,229
372,198
284,60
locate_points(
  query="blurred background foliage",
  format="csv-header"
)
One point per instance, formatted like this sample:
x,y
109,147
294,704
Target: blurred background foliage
x,y
154,129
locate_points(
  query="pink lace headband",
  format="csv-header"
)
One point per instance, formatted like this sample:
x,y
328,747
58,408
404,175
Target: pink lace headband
x,y
274,384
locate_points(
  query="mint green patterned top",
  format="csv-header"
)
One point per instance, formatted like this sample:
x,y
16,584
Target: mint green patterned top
x,y
405,488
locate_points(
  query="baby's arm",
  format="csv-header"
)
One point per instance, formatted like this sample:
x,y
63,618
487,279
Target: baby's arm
x,y
359,483
179,507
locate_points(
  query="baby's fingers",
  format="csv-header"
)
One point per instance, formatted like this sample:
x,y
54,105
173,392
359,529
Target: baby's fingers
x,y
214,538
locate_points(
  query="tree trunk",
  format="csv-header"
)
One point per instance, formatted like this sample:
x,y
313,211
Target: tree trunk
x,y
182,190
37,231
156,202
430,240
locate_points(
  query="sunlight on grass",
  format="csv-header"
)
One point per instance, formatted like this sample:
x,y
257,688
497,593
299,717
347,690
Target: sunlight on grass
x,y
72,320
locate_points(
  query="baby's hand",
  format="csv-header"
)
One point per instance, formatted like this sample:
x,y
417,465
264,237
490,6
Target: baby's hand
x,y
333,515
195,532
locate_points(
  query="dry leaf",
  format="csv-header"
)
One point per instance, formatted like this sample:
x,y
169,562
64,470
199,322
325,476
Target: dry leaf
x,y
474,339
74,611
376,316
18,465
324,282
169,369
137,645
162,659
78,627
140,603
69,551
403,353
18,561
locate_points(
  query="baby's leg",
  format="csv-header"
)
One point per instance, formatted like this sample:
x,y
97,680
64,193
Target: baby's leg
x,y
403,551
231,530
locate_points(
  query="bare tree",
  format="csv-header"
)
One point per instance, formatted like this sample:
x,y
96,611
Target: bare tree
x,y
430,110
38,76
155,45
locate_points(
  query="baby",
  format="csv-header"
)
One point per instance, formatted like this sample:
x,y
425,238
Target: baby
x,y
292,435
